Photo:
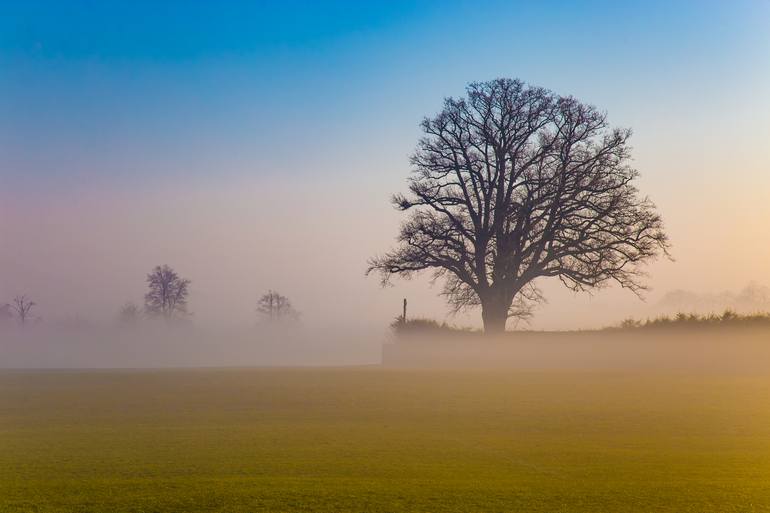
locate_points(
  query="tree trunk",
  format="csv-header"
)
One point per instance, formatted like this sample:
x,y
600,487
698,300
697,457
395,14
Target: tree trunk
x,y
494,313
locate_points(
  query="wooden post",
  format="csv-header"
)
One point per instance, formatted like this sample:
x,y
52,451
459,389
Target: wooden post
x,y
403,317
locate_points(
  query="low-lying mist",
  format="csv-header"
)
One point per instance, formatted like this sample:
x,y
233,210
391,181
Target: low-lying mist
x,y
700,348
680,349
155,344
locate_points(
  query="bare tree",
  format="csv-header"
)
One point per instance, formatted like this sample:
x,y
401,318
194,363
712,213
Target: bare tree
x,y
276,307
23,306
514,183
129,314
167,295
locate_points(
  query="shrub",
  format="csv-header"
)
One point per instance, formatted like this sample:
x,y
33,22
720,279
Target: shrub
x,y
726,318
423,326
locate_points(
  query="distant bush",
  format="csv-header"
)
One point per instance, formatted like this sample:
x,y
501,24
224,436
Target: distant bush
x,y
692,320
422,326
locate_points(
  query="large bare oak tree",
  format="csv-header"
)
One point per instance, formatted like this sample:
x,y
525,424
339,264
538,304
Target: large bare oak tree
x,y
514,183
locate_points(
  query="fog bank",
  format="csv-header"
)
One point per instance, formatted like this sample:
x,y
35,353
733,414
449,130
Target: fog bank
x,y
708,349
45,347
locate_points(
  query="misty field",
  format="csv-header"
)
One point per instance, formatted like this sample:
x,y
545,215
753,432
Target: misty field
x,y
371,439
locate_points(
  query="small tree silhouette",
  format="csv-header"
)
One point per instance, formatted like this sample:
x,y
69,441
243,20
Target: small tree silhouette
x,y
23,306
129,314
167,297
275,307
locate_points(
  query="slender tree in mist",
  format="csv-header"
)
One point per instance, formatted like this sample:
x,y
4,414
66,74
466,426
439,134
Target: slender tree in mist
x,y
274,307
129,314
167,295
23,306
514,183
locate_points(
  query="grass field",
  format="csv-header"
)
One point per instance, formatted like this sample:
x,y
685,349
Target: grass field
x,y
370,439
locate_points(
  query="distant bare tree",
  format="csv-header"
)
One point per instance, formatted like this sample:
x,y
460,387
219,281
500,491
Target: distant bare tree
x,y
276,307
167,295
23,306
514,183
129,314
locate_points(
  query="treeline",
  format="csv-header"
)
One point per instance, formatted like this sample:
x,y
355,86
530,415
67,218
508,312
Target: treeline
x,y
166,299
728,318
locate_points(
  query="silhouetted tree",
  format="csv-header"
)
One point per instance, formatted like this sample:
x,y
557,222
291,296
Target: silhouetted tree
x,y
23,306
167,297
276,307
129,314
515,183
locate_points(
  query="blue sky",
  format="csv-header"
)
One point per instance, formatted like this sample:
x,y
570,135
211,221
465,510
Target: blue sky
x,y
101,82
108,107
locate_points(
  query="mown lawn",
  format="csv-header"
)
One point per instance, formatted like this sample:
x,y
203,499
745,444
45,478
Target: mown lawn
x,y
370,439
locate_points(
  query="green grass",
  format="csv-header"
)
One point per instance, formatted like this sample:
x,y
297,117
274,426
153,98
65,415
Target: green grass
x,y
370,439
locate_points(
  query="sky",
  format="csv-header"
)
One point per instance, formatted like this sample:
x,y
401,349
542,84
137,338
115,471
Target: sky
x,y
255,145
